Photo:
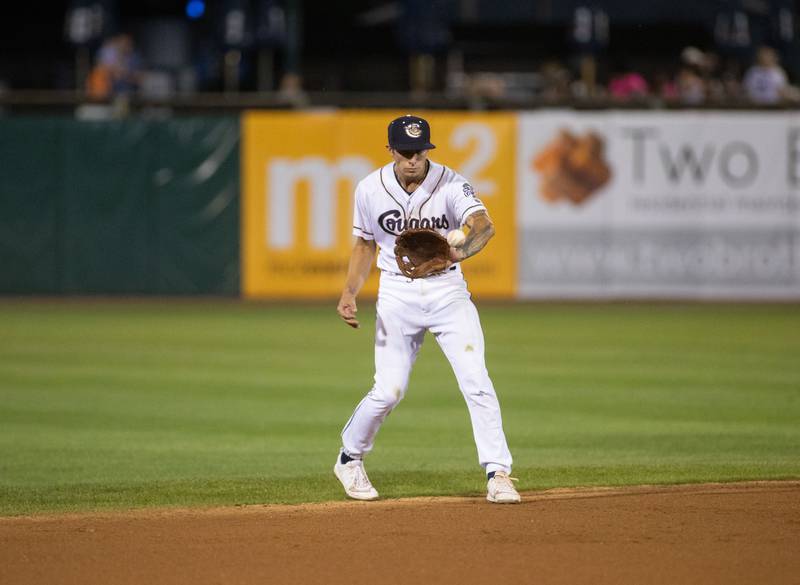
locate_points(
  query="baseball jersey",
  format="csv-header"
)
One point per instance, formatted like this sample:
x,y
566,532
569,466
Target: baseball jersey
x,y
383,209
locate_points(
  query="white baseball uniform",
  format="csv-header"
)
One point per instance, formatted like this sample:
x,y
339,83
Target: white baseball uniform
x,y
407,308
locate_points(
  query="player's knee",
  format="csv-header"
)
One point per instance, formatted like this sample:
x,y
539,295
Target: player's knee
x,y
477,385
388,395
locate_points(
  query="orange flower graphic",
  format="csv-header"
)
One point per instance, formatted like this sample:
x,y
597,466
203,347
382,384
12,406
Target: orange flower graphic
x,y
572,167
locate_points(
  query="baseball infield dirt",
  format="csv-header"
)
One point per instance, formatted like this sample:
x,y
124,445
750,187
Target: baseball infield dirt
x,y
732,533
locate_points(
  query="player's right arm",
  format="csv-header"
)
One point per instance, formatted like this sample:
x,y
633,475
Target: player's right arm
x,y
481,230
361,261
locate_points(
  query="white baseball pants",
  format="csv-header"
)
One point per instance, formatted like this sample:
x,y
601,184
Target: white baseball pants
x,y
406,309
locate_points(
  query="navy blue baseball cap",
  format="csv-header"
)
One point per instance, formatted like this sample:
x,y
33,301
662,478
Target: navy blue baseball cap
x,y
410,133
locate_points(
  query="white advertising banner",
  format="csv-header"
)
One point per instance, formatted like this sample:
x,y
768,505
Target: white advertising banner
x,y
667,204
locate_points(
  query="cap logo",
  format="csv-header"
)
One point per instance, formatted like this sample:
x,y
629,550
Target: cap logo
x,y
413,130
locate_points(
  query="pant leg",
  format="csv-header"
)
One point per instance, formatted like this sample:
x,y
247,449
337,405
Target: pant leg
x,y
458,331
397,344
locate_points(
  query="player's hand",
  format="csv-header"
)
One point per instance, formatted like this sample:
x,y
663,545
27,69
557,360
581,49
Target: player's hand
x,y
456,255
347,310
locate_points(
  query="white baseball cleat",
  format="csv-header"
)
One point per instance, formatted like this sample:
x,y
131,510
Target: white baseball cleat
x,y
501,490
354,479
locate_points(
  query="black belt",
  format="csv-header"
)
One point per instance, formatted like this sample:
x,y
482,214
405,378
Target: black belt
x,y
453,267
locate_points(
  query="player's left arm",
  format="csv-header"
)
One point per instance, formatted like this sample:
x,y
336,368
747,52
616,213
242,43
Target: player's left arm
x,y
481,230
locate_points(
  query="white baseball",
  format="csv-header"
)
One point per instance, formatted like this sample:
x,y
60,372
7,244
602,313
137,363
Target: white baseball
x,y
456,238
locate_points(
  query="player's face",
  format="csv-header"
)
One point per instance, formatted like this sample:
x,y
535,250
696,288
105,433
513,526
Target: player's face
x,y
410,164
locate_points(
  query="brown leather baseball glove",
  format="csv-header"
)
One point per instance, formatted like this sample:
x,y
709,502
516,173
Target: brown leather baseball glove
x,y
421,252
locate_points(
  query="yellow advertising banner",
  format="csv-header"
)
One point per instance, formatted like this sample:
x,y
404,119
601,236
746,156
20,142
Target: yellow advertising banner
x,y
299,172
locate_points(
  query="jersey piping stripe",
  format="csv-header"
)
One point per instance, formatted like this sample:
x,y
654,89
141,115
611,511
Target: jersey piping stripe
x,y
463,215
363,230
436,186
402,207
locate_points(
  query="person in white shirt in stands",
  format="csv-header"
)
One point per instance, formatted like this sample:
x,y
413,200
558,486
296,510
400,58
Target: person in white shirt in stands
x,y
765,82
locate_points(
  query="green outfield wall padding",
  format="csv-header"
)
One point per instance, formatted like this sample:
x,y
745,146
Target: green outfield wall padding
x,y
119,207
30,206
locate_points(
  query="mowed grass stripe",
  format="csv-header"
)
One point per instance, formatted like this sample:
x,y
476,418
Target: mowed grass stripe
x,y
118,404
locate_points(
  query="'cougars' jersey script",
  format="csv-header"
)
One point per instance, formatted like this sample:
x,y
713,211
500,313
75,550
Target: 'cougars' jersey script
x,y
383,209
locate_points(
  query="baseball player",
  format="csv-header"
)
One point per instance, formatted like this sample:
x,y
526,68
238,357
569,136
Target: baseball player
x,y
415,192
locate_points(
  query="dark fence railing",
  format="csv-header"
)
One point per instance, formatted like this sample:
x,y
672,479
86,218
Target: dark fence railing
x,y
32,101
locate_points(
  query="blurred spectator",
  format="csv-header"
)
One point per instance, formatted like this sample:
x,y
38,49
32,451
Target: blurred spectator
x,y
291,89
556,80
626,86
691,87
765,82
729,82
117,70
694,57
696,79
486,85
665,87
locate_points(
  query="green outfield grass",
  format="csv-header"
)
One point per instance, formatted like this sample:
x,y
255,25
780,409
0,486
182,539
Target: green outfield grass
x,y
115,404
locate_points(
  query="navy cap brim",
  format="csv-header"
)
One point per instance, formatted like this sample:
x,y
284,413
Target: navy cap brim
x,y
412,146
